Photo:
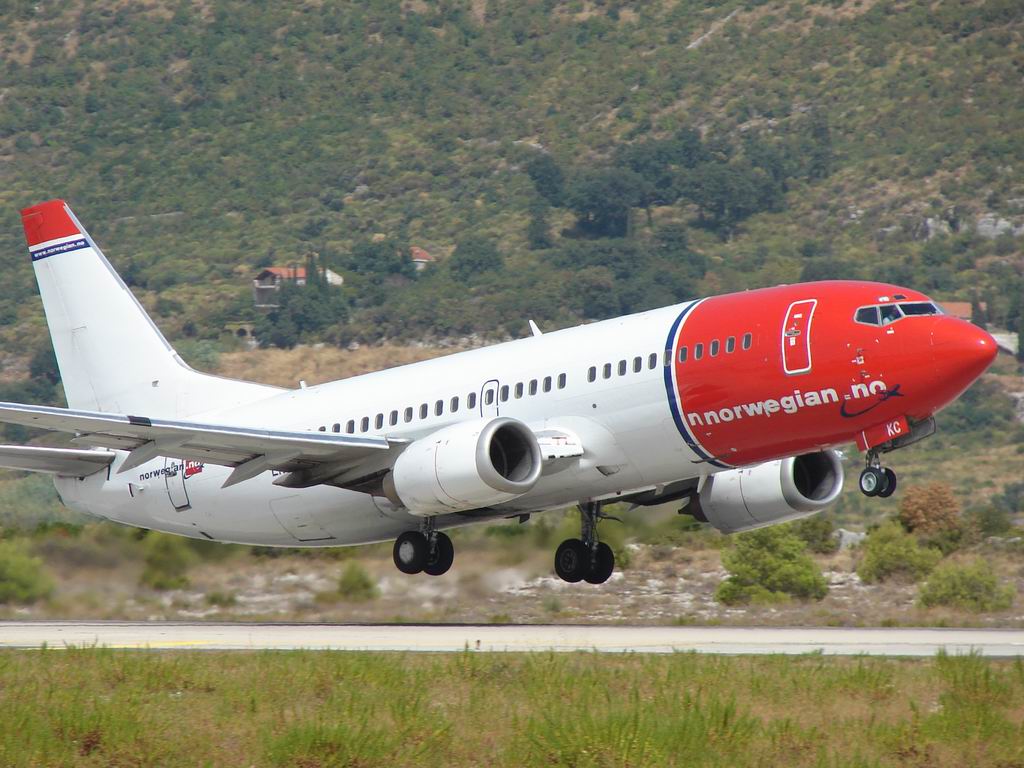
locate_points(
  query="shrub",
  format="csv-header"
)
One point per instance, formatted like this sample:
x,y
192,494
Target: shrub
x,y
356,584
972,586
767,565
167,560
22,576
891,552
817,532
989,521
929,509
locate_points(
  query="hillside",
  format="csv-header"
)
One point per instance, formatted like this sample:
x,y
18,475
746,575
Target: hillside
x,y
587,158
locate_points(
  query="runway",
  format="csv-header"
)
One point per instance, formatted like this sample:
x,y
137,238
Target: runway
x,y
510,638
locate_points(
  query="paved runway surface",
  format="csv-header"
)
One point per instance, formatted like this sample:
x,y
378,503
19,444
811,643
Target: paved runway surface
x,y
432,637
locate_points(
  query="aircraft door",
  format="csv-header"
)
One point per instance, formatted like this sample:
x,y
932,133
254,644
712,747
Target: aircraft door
x,y
796,337
489,398
174,476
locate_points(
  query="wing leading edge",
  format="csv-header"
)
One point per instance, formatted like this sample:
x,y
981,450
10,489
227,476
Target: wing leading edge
x,y
249,451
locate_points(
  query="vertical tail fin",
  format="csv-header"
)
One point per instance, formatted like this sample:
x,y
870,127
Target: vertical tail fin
x,y
111,355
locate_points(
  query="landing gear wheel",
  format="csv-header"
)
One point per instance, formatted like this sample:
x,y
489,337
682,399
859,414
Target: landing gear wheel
x,y
602,566
411,552
890,484
572,560
440,559
872,481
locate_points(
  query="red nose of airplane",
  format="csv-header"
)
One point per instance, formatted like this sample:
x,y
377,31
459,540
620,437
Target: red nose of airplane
x,y
961,351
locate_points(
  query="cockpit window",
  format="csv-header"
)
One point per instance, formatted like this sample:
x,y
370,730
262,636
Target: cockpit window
x,y
919,308
867,315
890,313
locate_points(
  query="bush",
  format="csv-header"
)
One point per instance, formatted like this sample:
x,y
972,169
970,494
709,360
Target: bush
x,y
356,584
767,565
817,532
891,552
972,586
22,576
989,521
929,509
167,561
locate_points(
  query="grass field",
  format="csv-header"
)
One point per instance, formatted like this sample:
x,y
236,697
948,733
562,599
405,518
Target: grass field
x,y
107,707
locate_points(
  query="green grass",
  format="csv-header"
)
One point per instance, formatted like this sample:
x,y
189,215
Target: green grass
x,y
112,707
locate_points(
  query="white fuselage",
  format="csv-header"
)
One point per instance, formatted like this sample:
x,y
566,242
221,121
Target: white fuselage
x,y
622,420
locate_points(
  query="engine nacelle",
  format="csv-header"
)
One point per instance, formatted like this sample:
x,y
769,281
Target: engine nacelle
x,y
773,492
466,466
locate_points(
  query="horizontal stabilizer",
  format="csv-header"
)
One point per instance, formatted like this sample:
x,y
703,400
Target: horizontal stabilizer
x,y
230,446
56,461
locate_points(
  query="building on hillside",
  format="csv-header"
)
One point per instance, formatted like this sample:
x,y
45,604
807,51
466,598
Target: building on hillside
x,y
961,309
267,284
420,258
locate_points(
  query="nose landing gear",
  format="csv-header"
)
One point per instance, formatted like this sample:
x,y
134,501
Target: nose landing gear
x,y
428,551
586,558
877,480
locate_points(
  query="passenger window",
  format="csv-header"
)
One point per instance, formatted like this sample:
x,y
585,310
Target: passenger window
x,y
336,428
454,404
607,371
503,395
533,386
730,344
668,358
378,422
393,418
519,390
547,384
424,410
364,424
322,429
652,361
682,354
622,367
698,351
713,350
489,397
748,340
890,313
638,364
439,407
350,427
471,401
867,315
592,374
561,381
408,414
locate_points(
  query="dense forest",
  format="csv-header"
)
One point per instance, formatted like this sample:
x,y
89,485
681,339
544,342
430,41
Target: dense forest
x,y
563,161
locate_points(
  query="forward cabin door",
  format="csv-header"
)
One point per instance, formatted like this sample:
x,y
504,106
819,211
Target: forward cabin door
x,y
489,398
796,337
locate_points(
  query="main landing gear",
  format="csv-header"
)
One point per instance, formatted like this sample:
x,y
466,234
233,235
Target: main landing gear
x,y
877,480
585,558
428,551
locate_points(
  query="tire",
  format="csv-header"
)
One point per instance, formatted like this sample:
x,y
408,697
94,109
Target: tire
x,y
572,561
872,481
890,484
410,552
604,564
443,556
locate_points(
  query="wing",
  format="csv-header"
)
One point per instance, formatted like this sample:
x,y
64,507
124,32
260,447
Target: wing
x,y
55,461
250,451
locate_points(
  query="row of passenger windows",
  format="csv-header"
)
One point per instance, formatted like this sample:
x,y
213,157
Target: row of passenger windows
x,y
714,347
623,367
452,405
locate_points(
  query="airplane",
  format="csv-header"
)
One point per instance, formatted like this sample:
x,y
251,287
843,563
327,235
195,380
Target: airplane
x,y
734,406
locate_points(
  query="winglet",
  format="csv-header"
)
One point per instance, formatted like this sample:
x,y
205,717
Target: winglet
x,y
535,330
49,230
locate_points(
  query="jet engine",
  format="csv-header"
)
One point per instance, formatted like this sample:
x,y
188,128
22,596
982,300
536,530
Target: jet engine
x,y
773,492
469,465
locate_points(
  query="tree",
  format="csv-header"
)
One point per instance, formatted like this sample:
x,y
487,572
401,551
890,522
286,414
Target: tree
x,y
770,564
890,552
547,177
538,232
473,256
929,509
601,198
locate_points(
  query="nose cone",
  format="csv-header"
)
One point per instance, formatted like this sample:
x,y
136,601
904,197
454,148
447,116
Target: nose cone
x,y
961,351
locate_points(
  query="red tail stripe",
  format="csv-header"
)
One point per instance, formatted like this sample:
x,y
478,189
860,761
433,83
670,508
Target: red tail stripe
x,y
47,221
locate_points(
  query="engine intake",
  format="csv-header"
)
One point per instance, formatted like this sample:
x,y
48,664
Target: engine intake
x,y
466,466
773,492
